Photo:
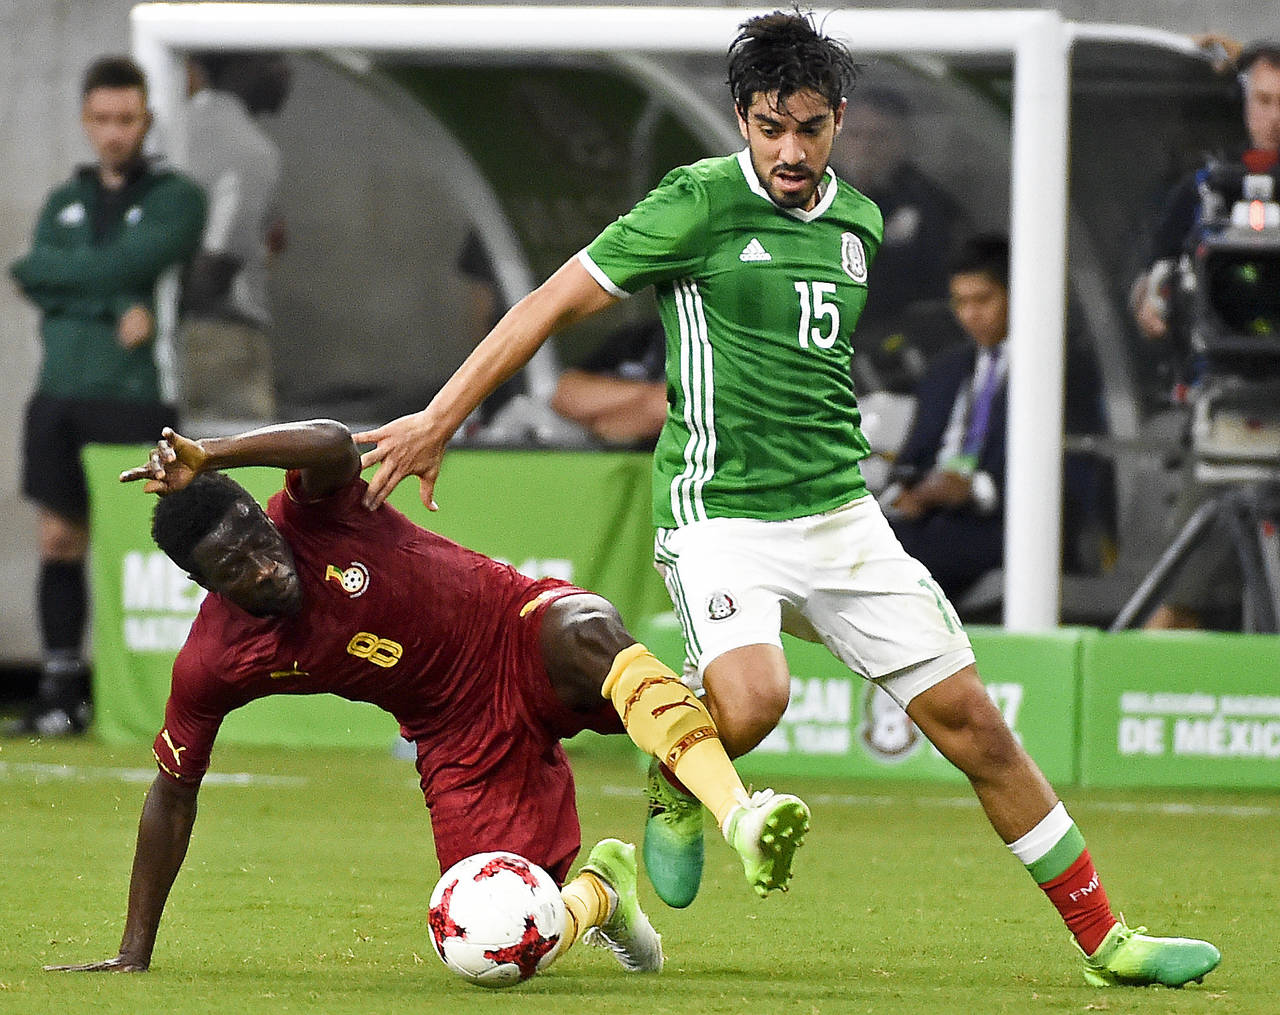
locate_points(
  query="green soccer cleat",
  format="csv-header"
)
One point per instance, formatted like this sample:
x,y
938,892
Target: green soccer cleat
x,y
1129,958
766,830
627,932
673,849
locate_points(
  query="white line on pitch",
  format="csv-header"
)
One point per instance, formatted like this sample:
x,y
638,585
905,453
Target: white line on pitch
x,y
90,773
1173,808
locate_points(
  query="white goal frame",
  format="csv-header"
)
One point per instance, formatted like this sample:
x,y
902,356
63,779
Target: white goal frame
x,y
1038,42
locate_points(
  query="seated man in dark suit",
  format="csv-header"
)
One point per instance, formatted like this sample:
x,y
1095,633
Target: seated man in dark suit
x,y
946,498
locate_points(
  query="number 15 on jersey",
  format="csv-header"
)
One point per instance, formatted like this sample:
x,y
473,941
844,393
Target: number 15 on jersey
x,y
819,317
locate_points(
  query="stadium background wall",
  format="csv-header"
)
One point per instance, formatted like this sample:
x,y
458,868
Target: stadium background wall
x,y
1097,709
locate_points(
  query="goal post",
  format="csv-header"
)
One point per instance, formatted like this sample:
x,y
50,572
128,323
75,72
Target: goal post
x,y
1037,41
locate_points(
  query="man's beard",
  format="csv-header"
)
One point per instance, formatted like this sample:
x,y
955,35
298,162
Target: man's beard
x,y
792,198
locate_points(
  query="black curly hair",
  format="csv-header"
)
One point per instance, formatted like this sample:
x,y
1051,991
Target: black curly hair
x,y
1266,50
984,254
183,518
784,52
113,72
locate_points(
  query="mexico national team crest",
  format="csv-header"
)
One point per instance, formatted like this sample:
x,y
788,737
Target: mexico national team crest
x,y
354,578
721,605
887,731
853,257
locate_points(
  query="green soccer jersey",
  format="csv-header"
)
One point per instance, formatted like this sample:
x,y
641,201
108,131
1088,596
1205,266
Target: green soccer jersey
x,y
759,303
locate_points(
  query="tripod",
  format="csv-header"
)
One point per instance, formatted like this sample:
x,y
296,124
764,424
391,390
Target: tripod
x,y
1250,516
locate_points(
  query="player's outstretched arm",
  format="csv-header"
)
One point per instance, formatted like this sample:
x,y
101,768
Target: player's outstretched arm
x,y
164,833
321,449
414,445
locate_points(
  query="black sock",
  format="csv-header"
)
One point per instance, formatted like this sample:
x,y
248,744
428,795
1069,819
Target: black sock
x,y
63,605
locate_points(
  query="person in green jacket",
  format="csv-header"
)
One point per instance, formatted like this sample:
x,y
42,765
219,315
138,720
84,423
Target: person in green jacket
x,y
104,241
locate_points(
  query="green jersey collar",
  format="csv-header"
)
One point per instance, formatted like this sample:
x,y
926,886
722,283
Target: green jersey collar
x,y
753,181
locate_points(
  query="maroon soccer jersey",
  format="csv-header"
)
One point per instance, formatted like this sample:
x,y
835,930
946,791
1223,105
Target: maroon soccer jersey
x,y
443,638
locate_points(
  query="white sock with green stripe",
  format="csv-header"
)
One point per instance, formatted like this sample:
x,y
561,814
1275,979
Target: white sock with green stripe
x,y
1055,856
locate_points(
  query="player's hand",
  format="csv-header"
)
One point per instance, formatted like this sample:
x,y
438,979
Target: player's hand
x,y
1150,320
118,964
135,327
408,446
909,505
1149,300
1223,50
944,488
173,463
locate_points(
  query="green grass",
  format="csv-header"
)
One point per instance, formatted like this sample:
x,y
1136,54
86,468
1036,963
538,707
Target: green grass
x,y
308,894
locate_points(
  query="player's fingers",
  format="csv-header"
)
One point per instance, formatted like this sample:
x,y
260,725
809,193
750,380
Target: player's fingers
x,y
373,456
185,449
381,484
138,472
370,436
426,490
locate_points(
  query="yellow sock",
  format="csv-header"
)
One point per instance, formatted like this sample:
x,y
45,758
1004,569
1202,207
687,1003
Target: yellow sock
x,y
666,720
587,904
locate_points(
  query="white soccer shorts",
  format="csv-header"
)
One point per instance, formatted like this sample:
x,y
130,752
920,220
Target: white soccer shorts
x,y
840,577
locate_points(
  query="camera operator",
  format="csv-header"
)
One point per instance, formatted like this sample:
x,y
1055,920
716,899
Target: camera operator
x,y
1209,593
1177,229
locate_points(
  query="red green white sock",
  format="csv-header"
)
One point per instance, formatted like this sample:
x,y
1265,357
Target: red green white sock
x,y
1056,858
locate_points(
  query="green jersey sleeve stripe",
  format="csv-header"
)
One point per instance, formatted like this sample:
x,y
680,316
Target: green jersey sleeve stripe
x,y
596,272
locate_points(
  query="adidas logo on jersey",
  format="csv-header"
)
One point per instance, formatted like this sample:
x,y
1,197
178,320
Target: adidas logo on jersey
x,y
754,251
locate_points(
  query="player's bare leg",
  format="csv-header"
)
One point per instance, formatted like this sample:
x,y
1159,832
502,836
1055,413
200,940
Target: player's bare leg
x,y
748,689
960,719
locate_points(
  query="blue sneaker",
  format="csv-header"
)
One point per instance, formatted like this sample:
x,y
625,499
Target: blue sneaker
x,y
673,848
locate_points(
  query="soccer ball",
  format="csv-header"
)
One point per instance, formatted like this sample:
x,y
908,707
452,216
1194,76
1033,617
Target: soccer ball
x,y
496,919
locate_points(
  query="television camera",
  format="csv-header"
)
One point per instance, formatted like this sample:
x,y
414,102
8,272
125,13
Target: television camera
x,y
1227,308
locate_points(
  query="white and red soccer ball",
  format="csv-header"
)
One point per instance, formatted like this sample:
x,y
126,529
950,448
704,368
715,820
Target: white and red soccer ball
x,y
496,919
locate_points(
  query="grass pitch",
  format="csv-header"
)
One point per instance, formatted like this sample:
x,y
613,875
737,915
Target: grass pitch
x,y
306,885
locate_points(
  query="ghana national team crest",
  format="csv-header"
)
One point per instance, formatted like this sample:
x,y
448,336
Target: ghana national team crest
x,y
721,605
354,578
853,257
